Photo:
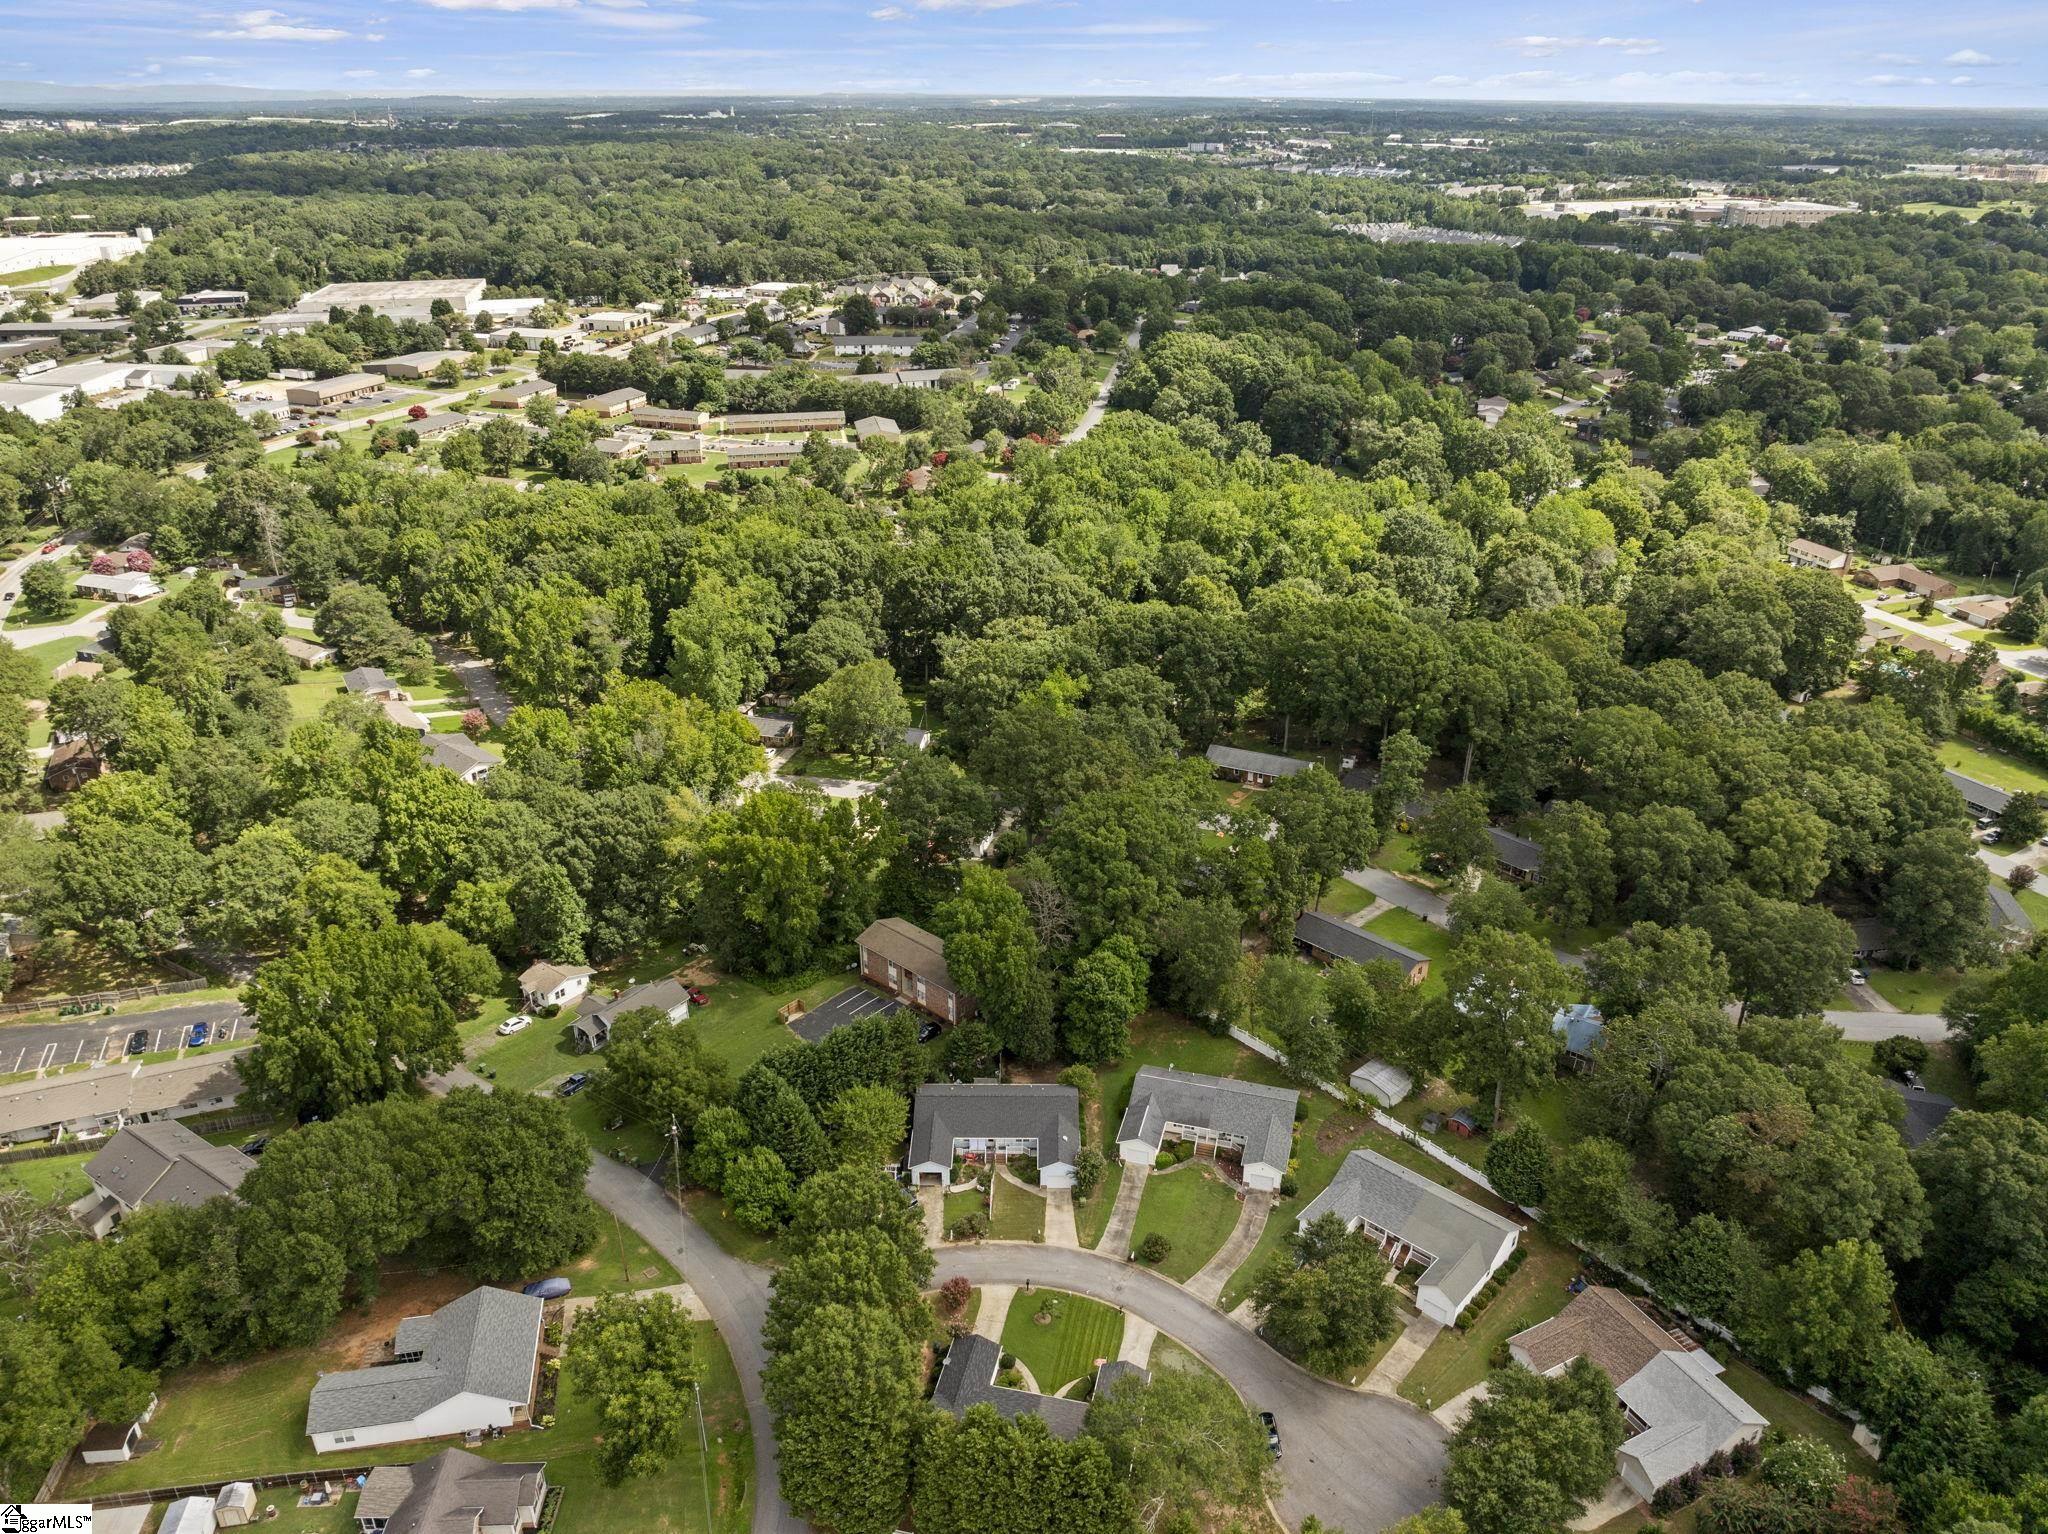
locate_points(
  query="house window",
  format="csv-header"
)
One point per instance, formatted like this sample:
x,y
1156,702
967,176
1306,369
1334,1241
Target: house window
x,y
344,1438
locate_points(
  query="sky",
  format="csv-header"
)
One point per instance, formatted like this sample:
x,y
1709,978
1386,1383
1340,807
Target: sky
x,y
1904,53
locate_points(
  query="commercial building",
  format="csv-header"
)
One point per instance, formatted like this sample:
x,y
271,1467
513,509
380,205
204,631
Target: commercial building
x,y
409,300
1456,1244
995,1121
211,300
415,364
782,421
319,393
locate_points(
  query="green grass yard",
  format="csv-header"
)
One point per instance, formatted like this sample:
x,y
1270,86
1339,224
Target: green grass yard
x,y
1965,211
1018,1215
53,1179
30,274
1321,1142
1411,931
1194,1209
738,1019
1945,1073
1459,1359
20,617
1091,1215
1788,1409
1998,768
1063,1348
1915,990
1343,898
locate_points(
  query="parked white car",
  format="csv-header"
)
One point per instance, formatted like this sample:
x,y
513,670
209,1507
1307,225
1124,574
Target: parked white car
x,y
514,1023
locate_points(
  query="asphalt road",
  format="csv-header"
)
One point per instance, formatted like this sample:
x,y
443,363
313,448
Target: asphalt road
x,y
1869,1026
1092,416
36,1046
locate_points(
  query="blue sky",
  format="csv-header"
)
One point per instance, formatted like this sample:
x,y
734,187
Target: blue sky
x,y
1877,52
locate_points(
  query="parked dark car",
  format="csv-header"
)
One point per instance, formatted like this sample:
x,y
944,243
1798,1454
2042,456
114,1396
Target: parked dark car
x,y
200,1033
1272,1433
573,1085
138,1041
253,1146
927,1031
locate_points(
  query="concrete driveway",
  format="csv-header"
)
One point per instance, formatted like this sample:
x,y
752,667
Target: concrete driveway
x,y
1354,1460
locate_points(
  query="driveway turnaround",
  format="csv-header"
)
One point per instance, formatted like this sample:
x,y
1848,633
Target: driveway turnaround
x,y
1354,1460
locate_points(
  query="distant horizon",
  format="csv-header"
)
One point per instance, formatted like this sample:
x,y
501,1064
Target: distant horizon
x,y
1816,54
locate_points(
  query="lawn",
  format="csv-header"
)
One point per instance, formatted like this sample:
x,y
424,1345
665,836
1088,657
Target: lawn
x,y
1017,1215
28,618
1064,1347
1411,931
81,966
1091,1215
2035,906
1458,1360
1965,211
1788,1409
1997,768
620,1262
1321,1142
738,1019
1915,990
1399,856
52,1179
1168,1354
533,1057
960,1205
1343,898
1194,1209
33,274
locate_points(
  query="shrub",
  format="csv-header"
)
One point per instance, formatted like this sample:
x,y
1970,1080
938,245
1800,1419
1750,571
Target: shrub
x,y
1007,1361
953,1295
1081,1079
1898,1054
1162,1161
969,1227
1290,1185
1154,1249
2022,876
1024,1169
474,723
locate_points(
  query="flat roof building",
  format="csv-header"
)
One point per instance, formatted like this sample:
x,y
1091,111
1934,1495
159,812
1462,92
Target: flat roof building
x,y
411,299
321,392
415,364
783,421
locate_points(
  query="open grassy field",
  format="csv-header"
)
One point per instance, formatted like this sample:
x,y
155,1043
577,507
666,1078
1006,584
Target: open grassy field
x,y
1998,768
738,1019
73,607
53,1179
1064,1347
1915,990
1194,1209
33,274
1966,211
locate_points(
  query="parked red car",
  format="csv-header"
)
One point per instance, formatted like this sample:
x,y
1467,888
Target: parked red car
x,y
53,545
696,995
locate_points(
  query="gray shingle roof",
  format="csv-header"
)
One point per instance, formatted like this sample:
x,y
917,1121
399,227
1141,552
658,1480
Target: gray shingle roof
x,y
1690,1413
909,947
1982,798
368,679
2006,911
1326,934
166,1163
435,1493
1265,763
457,753
1517,852
1458,1235
1051,1115
1261,1117
967,1378
664,995
482,1344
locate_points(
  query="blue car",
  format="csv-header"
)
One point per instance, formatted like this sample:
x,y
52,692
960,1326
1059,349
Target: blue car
x,y
547,1288
199,1034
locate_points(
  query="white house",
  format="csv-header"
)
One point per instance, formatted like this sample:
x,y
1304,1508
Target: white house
x,y
1458,1244
553,985
995,1121
1255,1121
466,1368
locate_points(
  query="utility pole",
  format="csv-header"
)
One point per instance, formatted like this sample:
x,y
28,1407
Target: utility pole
x,y
703,1452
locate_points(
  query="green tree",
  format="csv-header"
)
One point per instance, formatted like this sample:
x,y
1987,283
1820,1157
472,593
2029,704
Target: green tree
x,y
46,588
757,1188
1197,953
1291,1005
1452,837
1935,901
1403,760
866,1124
987,1474
1186,1447
992,951
1493,905
1820,1317
1103,992
861,1267
859,709
1535,1450
663,1069
845,1395
1503,988
1329,1304
2012,1070
1323,829
1518,1165
634,1355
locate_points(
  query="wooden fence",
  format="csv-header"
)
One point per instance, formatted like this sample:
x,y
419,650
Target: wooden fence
x,y
101,998
212,1488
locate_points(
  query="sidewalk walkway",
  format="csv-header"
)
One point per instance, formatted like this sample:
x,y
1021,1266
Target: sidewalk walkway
x,y
1417,1334
1123,1218
1251,1224
994,1310
1139,1335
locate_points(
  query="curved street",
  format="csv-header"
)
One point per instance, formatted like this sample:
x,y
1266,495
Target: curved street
x,y
1357,1461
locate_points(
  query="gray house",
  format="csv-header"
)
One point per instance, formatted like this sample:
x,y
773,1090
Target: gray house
x,y
1326,940
1255,1121
455,1492
160,1163
1254,769
995,1120
968,1378
593,1029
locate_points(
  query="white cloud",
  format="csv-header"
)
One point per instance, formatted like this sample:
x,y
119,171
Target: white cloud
x,y
373,37
1531,77
1638,79
889,13
417,74
1630,45
1538,47
966,5
1450,80
275,27
1890,81
1541,46
1972,57
642,20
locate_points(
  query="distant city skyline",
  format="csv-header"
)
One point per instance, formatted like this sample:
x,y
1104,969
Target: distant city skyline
x,y
1883,53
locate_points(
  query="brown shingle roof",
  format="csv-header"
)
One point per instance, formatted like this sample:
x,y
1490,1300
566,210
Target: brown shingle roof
x,y
1601,1324
910,947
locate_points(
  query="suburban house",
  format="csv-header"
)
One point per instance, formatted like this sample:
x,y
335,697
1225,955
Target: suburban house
x,y
1582,1028
1515,857
968,1378
371,682
875,426
161,1163
552,985
115,1443
668,996
1326,940
1254,769
1985,612
1911,578
320,393
908,962
1255,1121
773,730
995,1120
1492,410
121,586
1679,1412
264,588
1385,1083
2010,923
94,1102
1458,1245
1985,802
459,754
1926,1111
455,1492
71,766
467,1367
306,652
1808,555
